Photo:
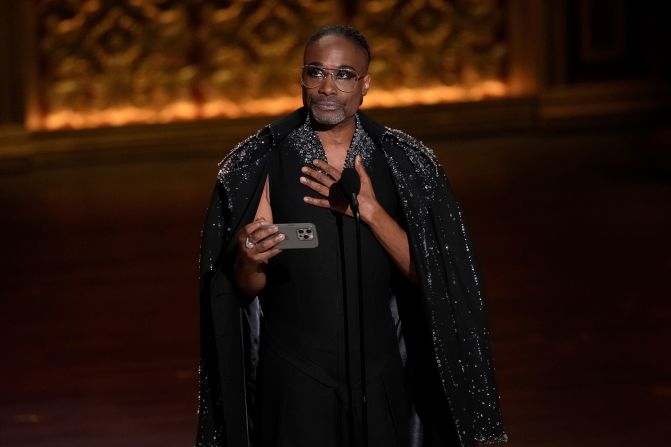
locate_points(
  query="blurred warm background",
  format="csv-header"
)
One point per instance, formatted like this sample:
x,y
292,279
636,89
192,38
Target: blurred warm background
x,y
550,117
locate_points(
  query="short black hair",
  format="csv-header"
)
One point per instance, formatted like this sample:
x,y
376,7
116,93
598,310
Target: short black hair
x,y
346,31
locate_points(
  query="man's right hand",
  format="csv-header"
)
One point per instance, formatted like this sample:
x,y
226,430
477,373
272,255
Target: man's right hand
x,y
256,245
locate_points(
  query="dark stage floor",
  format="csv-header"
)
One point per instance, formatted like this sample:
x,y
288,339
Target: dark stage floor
x,y
99,306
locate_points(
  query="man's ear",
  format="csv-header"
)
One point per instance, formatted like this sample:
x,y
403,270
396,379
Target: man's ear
x,y
366,84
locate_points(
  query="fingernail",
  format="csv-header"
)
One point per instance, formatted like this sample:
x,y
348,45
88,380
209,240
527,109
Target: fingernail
x,y
314,162
304,169
280,237
303,179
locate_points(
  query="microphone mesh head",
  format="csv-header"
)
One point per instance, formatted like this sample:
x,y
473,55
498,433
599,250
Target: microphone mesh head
x,y
350,183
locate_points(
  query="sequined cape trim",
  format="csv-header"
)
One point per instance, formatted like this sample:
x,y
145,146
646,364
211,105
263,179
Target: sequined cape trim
x,y
305,141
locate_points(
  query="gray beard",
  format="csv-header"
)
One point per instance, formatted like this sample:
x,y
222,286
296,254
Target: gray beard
x,y
328,118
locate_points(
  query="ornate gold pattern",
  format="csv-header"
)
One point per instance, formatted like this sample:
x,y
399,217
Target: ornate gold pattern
x,y
104,62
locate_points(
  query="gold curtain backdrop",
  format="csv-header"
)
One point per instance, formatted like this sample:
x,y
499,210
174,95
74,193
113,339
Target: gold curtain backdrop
x,y
103,62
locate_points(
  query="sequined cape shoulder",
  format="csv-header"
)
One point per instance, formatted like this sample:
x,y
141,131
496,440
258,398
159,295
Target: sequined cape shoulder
x,y
444,322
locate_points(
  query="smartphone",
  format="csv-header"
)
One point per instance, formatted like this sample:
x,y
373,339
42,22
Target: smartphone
x,y
297,235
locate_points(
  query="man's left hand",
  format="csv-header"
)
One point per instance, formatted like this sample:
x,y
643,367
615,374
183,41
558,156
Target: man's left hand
x,y
323,181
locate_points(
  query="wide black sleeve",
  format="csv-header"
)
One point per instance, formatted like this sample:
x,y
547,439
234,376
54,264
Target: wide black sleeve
x,y
449,342
221,415
465,304
229,321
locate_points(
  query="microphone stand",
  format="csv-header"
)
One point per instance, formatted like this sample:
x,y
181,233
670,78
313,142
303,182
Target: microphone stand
x,y
348,369
362,352
350,184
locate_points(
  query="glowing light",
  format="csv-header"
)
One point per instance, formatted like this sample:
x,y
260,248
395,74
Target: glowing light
x,y
222,108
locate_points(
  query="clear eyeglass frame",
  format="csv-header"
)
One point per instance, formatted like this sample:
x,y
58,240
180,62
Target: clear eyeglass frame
x,y
345,85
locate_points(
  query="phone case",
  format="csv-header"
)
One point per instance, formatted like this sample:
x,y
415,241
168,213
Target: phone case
x,y
297,235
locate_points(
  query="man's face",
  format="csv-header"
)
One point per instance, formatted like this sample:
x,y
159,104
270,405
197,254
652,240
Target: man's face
x,y
328,105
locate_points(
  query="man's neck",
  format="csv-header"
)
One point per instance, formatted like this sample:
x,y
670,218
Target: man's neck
x,y
336,140
338,137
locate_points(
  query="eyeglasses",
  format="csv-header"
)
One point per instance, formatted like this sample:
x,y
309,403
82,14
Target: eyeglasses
x,y
345,79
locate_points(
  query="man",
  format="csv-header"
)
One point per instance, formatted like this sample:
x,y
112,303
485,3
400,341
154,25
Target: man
x,y
280,352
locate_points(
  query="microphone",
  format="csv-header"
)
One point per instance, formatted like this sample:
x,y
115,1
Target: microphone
x,y
350,185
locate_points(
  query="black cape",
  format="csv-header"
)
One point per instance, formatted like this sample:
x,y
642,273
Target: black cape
x,y
445,333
